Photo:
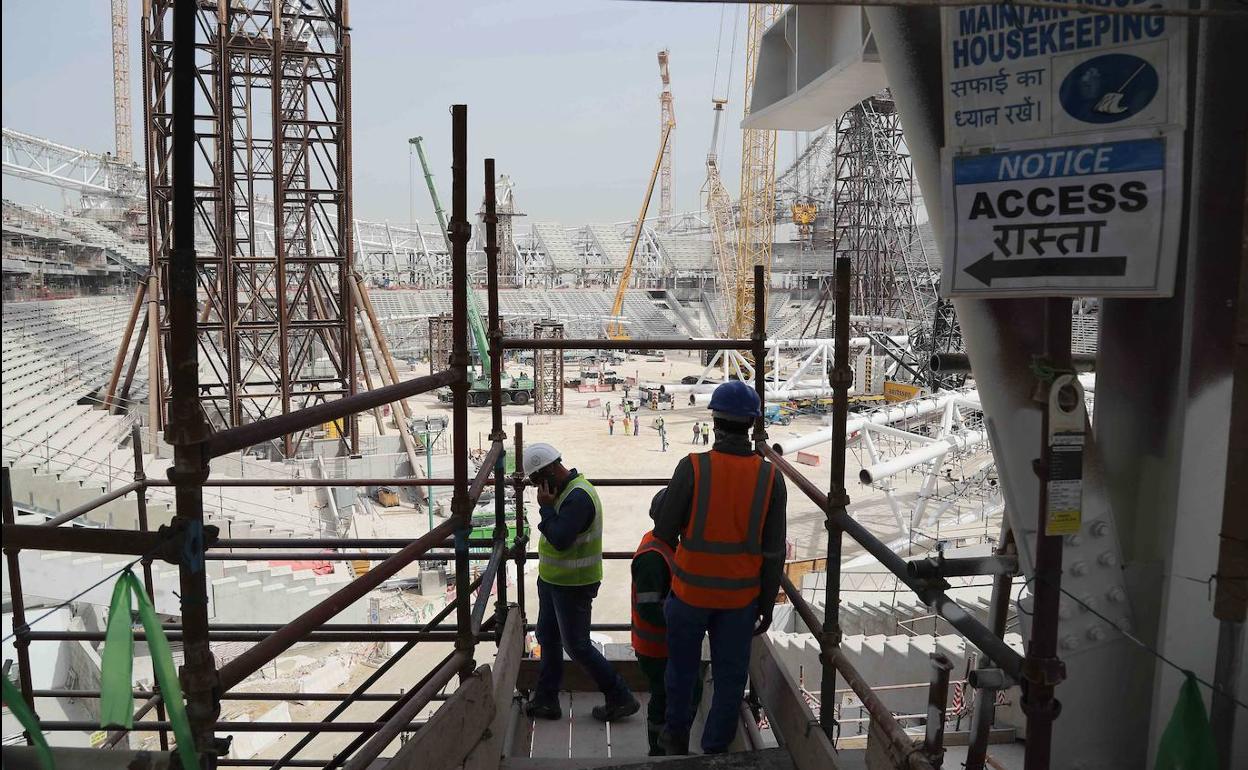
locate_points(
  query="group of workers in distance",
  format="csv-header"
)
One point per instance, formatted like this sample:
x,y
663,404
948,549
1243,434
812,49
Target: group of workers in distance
x,y
710,566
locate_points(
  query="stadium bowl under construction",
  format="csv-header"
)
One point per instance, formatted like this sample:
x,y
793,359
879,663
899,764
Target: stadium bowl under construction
x,y
301,429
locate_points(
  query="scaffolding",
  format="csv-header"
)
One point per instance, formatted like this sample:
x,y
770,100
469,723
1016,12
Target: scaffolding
x,y
548,370
440,331
873,212
271,94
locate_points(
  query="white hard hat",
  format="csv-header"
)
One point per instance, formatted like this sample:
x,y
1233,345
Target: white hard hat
x,y
538,456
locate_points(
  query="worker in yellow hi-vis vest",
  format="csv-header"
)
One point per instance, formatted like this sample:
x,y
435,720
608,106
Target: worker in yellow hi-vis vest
x,y
569,572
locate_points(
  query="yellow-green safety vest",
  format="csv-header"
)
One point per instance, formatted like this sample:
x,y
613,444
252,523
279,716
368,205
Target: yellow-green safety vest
x,y
580,563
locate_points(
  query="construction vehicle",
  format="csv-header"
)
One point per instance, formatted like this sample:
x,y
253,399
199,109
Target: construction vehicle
x,y
517,389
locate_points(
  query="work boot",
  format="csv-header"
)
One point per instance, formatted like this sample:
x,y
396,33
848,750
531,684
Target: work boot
x,y
609,712
543,708
674,744
653,730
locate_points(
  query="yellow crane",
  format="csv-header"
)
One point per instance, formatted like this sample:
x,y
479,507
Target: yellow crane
x,y
756,222
615,327
719,212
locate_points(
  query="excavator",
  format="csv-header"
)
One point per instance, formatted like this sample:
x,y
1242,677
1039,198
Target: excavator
x,y
517,389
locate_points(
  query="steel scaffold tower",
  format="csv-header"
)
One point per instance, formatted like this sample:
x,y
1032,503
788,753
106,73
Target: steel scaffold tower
x,y
441,334
273,205
873,215
756,222
548,370
667,117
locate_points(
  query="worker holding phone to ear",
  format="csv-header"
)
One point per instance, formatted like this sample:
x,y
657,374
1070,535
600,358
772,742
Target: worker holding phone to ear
x,y
569,572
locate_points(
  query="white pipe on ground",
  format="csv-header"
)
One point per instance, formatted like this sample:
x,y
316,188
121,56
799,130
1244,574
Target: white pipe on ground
x,y
915,408
921,455
703,399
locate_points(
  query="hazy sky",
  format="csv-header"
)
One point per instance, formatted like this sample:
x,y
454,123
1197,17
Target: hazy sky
x,y
563,93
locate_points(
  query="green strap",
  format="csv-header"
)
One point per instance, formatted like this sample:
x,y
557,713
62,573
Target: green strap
x,y
116,683
1187,742
30,723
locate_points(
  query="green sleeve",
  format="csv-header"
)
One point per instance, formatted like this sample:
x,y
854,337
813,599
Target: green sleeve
x,y
652,582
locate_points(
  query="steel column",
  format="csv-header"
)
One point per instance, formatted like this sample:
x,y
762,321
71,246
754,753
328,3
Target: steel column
x,y
497,434
461,506
1042,669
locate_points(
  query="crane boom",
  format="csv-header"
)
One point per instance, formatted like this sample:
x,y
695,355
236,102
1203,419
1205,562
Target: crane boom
x,y
667,117
719,212
474,307
758,184
615,329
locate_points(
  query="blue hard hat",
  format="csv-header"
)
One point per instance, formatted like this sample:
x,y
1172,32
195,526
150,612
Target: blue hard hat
x,y
735,399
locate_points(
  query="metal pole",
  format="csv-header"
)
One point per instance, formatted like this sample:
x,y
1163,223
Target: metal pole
x,y
186,428
937,698
140,477
521,537
838,498
1230,598
21,631
758,338
1042,670
985,704
496,391
460,231
120,361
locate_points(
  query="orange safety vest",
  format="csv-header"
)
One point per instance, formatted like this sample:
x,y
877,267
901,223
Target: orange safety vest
x,y
649,639
720,554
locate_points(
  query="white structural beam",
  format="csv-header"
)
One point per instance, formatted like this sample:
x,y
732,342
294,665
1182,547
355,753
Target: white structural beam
x,y
932,451
71,168
908,409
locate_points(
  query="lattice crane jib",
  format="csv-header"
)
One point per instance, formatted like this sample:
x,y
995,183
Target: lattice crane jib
x,y
273,235
757,225
121,81
667,117
719,213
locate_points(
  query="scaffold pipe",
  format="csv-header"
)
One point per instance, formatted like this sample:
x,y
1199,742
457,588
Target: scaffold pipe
x,y
923,454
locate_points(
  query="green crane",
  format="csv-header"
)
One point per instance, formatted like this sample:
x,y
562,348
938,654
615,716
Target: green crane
x,y
515,389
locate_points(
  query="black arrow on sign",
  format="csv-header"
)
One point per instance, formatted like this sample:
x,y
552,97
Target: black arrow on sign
x,y
988,268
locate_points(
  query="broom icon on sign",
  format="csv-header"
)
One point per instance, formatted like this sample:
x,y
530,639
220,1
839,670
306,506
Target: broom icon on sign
x,y
1110,102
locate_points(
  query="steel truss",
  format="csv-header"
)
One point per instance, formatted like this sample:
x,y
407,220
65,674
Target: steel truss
x,y
272,139
548,370
873,213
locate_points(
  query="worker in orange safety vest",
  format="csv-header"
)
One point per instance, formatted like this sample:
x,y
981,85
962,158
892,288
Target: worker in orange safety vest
x,y
652,582
724,516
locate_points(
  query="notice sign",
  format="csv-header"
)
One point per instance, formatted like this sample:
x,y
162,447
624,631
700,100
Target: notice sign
x,y
1080,220
1025,73
1063,156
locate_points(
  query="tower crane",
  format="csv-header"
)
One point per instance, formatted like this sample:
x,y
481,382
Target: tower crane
x,y
667,117
719,212
756,225
615,327
121,81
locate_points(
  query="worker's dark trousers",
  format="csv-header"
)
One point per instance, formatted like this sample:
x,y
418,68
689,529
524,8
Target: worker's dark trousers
x,y
563,618
730,632
655,669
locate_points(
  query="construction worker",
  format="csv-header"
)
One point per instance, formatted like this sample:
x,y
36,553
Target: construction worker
x,y
569,572
652,582
697,431
706,433
724,516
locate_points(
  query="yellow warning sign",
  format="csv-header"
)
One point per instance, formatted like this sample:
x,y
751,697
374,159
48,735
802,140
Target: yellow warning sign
x,y
900,391
1065,522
